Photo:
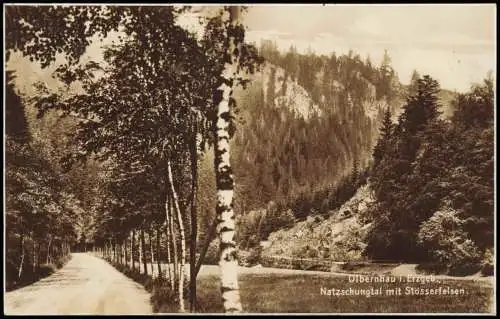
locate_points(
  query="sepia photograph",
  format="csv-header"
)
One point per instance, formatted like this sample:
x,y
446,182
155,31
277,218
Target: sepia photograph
x,y
249,159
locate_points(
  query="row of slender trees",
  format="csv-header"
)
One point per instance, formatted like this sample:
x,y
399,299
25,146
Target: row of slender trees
x,y
161,97
40,208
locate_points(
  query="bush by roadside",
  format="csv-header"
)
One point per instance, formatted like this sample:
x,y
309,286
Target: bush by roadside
x,y
488,268
29,276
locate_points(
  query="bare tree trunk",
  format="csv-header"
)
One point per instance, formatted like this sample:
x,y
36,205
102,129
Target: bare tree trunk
x,y
168,232
208,240
125,254
132,243
180,225
38,254
194,221
140,250
34,256
151,253
175,268
113,251
120,248
22,257
228,262
143,253
116,249
158,251
48,251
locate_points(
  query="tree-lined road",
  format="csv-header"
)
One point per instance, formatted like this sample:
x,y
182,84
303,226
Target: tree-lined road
x,y
90,285
86,285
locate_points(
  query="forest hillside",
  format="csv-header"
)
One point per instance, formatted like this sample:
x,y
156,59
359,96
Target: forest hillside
x,y
425,198
303,135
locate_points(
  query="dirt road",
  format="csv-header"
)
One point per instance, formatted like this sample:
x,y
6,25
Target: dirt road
x,y
86,285
89,285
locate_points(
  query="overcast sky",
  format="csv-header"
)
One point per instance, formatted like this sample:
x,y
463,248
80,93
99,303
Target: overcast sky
x,y
453,43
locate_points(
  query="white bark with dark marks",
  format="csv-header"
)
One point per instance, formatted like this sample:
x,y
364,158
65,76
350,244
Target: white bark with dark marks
x,y
21,264
180,225
168,233
224,177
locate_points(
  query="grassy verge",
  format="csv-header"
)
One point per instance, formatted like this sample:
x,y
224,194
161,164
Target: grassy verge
x,y
163,299
308,293
29,276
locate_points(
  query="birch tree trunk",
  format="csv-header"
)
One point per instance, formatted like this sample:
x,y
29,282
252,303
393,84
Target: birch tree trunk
x,y
168,233
34,256
228,262
132,242
140,249
180,225
175,268
158,251
143,252
123,260
194,221
22,258
125,253
113,247
116,250
48,251
151,253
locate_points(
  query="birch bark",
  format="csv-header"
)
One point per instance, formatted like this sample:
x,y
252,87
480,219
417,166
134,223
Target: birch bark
x,y
228,262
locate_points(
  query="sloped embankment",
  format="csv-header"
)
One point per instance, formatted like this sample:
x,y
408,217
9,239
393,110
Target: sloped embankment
x,y
339,237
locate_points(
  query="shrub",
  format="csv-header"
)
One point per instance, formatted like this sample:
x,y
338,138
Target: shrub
x,y
248,228
487,268
212,256
300,252
251,257
351,266
62,261
312,253
253,241
325,207
447,243
149,284
324,252
431,268
46,270
274,220
164,300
